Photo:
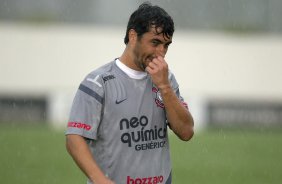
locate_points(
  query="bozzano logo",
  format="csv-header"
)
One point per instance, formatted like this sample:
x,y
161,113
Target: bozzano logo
x,y
79,125
149,180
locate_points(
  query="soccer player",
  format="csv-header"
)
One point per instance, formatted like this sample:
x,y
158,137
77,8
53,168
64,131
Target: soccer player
x,y
117,130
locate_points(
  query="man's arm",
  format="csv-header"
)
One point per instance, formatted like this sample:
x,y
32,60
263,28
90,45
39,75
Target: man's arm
x,y
180,119
81,154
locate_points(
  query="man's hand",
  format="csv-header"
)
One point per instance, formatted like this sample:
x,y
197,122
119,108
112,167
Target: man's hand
x,y
180,120
81,154
158,69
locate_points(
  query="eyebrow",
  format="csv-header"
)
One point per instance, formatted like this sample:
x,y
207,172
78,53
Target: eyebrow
x,y
158,40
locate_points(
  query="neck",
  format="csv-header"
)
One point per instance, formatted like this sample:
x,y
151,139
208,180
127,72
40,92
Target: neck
x,y
127,58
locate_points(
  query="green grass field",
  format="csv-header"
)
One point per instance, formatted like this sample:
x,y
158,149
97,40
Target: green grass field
x,y
37,155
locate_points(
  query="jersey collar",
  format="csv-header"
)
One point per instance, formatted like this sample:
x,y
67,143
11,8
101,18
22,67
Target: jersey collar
x,y
134,74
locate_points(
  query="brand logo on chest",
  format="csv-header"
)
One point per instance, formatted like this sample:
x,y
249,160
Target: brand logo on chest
x,y
109,77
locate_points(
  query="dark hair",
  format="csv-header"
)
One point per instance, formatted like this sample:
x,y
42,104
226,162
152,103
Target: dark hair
x,y
146,16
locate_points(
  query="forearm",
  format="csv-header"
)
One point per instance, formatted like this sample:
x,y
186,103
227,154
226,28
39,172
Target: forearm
x,y
179,118
81,154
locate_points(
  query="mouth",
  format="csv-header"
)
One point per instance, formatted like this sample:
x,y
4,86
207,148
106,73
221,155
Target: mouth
x,y
149,59
146,62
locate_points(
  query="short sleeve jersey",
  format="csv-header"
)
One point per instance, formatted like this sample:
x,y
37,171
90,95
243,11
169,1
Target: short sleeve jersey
x,y
125,125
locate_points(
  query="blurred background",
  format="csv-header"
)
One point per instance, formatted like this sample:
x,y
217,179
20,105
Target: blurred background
x,y
226,56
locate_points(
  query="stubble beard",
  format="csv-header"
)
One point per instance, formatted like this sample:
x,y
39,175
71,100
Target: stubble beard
x,y
141,60
139,64
138,60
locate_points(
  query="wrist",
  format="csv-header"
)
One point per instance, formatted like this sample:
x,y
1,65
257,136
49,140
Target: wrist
x,y
165,88
100,178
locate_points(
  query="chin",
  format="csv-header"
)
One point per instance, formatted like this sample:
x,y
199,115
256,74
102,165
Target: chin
x,y
143,67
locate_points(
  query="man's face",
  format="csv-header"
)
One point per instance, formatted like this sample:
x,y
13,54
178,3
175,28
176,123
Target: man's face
x,y
149,46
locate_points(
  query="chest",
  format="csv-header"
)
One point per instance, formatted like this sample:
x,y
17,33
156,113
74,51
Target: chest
x,y
132,97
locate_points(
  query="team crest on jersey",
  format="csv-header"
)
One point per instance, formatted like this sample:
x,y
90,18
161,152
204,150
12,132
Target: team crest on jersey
x,y
158,97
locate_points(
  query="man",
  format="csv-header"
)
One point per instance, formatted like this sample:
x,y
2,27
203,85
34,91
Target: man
x,y
117,132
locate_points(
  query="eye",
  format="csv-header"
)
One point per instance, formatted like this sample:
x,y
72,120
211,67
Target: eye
x,y
155,42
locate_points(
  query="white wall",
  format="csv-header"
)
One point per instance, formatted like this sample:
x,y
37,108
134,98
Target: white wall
x,y
52,60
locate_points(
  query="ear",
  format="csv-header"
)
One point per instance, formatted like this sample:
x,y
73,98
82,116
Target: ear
x,y
132,36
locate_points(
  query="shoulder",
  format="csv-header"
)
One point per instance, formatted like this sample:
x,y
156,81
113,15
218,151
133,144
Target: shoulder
x,y
95,79
170,75
172,79
103,70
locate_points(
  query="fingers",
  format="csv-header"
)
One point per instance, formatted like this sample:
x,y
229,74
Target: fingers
x,y
158,70
157,64
159,60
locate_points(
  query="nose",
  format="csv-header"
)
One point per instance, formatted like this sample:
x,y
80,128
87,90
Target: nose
x,y
161,50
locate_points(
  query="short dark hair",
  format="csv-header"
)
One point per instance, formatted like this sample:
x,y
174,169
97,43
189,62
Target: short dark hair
x,y
146,16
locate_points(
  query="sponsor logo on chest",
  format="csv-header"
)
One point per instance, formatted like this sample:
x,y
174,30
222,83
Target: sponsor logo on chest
x,y
137,135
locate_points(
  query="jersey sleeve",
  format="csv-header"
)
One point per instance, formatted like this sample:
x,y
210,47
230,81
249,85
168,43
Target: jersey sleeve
x,y
175,87
86,111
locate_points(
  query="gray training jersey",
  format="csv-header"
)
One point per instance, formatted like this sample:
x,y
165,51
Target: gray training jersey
x,y
124,122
